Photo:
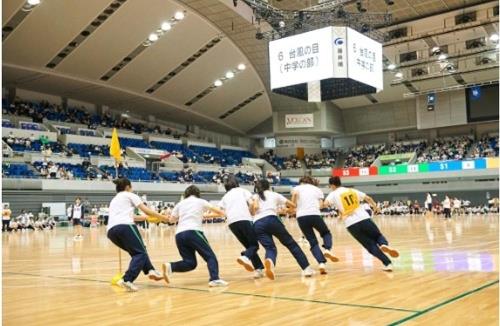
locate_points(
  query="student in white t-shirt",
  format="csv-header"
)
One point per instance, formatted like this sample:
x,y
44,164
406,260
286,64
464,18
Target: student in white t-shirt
x,y
77,215
123,232
309,200
267,224
190,239
358,222
236,205
447,206
428,204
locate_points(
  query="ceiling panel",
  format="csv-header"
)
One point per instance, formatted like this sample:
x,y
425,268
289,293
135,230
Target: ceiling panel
x,y
250,115
9,8
167,53
48,29
196,77
117,37
232,93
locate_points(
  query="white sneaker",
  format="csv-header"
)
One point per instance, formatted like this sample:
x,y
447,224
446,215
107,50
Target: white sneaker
x,y
129,286
154,275
387,268
167,271
269,268
322,269
389,250
245,262
217,283
328,254
259,273
308,272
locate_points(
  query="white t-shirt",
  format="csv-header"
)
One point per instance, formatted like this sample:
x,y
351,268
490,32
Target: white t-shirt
x,y
189,212
347,201
447,203
121,208
77,212
235,204
456,203
270,205
428,200
308,197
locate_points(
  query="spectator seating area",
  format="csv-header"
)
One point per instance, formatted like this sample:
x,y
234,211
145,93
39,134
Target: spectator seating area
x,y
30,126
17,170
442,149
132,173
85,150
65,171
487,146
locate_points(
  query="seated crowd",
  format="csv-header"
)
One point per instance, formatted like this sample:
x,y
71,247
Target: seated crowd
x,y
442,149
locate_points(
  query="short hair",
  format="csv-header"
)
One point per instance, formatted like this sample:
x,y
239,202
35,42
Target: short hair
x,y
307,179
335,181
121,184
192,191
231,182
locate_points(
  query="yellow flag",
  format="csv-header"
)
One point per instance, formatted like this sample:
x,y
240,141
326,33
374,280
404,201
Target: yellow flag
x,y
114,147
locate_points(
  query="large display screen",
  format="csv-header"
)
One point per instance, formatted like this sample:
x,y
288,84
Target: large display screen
x,y
482,103
364,57
301,58
330,52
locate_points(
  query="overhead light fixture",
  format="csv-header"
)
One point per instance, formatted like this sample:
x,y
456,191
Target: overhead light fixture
x,y
153,37
179,15
494,38
33,2
217,83
229,74
242,66
442,57
391,66
436,50
166,26
399,74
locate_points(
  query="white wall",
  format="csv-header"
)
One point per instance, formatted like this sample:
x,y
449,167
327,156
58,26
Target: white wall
x,y
35,96
450,110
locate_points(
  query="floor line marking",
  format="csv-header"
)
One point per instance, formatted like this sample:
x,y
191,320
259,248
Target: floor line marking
x,y
443,303
229,293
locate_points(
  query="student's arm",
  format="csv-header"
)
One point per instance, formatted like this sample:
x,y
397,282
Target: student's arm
x,y
295,197
214,212
290,204
150,212
372,204
253,206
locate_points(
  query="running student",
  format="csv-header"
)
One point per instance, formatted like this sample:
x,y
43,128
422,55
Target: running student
x,y
308,198
123,232
267,224
358,222
236,203
190,239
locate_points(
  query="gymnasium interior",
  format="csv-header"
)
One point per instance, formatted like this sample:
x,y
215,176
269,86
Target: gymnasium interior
x,y
397,98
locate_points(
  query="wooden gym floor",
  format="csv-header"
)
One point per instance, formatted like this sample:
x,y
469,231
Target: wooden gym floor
x,y
447,275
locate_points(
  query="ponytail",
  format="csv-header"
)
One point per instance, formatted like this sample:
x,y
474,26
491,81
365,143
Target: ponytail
x,y
261,186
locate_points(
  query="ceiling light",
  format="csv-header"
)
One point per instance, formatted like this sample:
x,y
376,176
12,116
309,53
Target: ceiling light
x,y
179,15
391,66
166,26
217,83
399,74
494,38
153,37
442,57
33,2
242,66
229,74
436,49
